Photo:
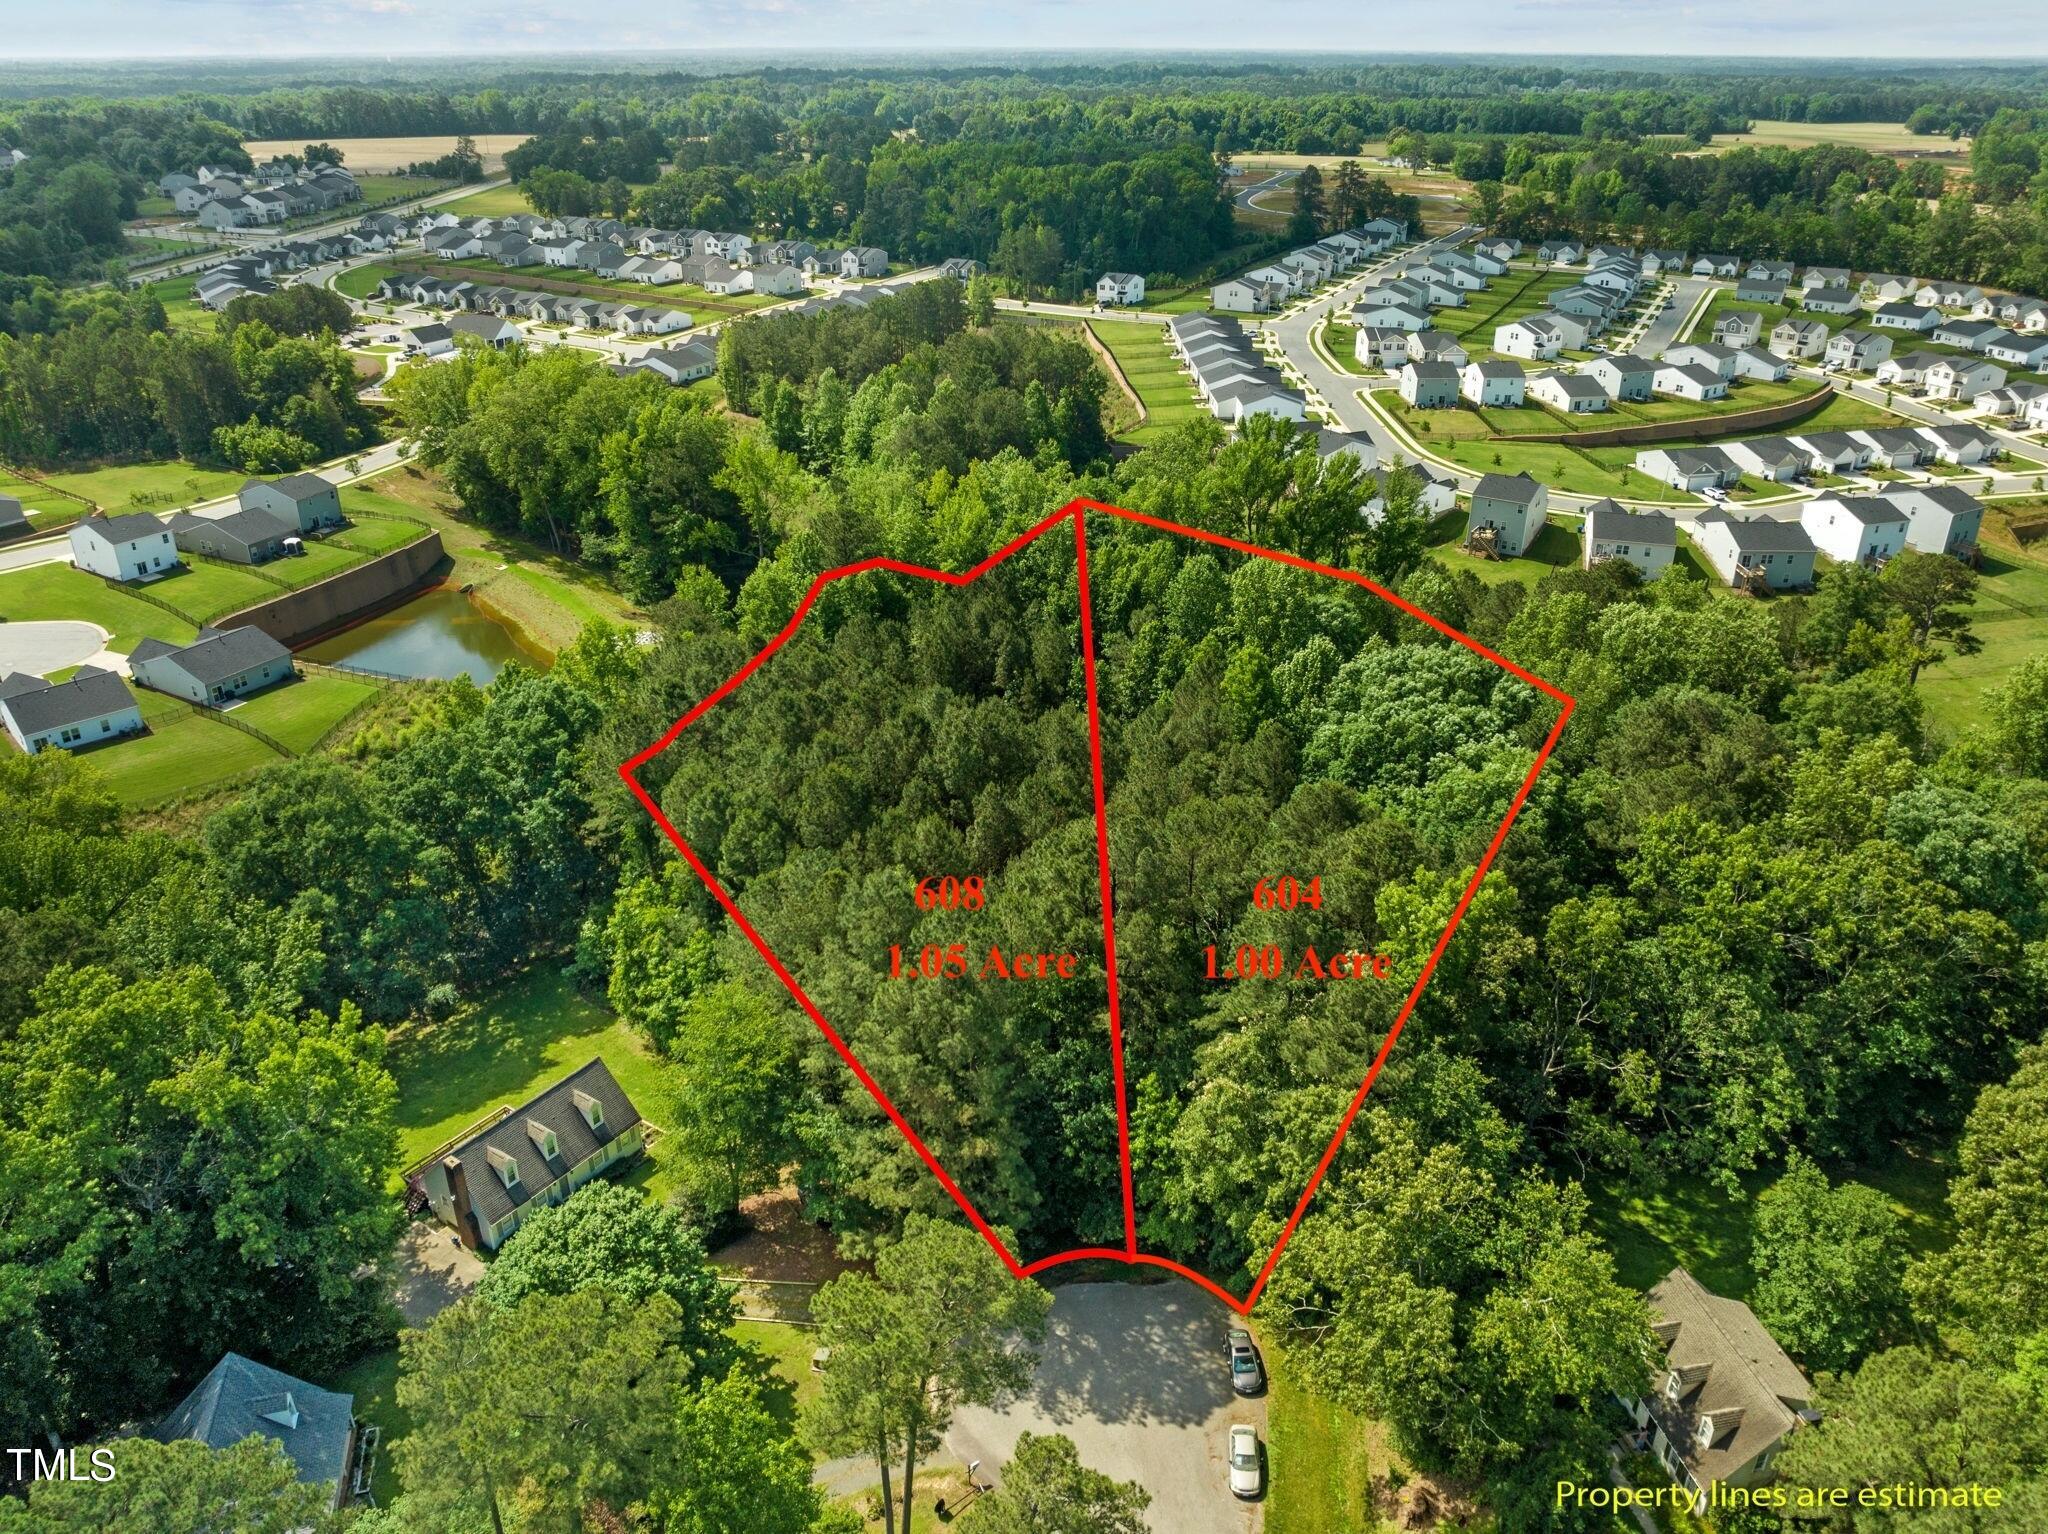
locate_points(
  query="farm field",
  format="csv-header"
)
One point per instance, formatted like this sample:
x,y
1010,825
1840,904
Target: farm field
x,y
1140,350
1877,137
385,156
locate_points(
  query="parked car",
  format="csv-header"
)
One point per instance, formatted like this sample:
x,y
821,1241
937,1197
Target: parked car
x,y
1245,1479
1247,1377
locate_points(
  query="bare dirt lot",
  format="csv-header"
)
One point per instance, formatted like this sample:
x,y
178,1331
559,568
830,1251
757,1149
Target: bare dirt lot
x,y
383,156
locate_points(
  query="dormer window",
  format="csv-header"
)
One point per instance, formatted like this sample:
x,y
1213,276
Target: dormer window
x,y
506,1166
591,1109
1706,1433
1671,1386
285,1414
543,1138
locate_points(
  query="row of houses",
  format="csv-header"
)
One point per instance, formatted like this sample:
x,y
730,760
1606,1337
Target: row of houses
x,y
718,261
1230,377
1784,458
540,308
1274,284
269,515
218,199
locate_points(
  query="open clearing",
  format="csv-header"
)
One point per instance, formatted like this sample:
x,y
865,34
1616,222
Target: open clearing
x,y
385,156
1878,138
1140,350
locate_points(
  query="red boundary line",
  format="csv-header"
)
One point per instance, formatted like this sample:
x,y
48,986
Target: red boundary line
x,y
1075,510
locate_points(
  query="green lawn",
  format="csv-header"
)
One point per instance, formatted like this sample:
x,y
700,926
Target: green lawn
x,y
204,591
1694,1224
1513,296
45,592
489,204
674,295
298,713
373,534
1555,547
503,1049
373,1381
1320,1457
1341,340
361,281
2010,615
1141,351
45,508
382,189
183,751
181,309
1579,471
161,485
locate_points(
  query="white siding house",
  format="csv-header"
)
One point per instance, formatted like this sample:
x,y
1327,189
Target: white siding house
x,y
124,548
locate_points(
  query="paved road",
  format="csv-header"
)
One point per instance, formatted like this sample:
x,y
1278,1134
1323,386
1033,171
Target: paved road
x,y
1272,183
1337,389
1663,330
1134,1374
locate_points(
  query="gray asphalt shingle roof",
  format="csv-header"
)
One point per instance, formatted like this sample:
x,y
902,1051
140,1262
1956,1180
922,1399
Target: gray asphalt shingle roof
x,y
241,1398
556,1109
39,706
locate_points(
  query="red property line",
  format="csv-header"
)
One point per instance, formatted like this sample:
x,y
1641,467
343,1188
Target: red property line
x,y
1076,510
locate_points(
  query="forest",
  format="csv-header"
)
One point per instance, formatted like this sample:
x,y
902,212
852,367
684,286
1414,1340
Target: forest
x,y
1757,917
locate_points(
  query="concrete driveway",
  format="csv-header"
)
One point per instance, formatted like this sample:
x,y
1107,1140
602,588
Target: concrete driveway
x,y
432,1272
1135,1375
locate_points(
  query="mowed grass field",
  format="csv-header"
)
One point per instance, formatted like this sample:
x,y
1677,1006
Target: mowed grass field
x,y
387,156
2010,615
183,751
47,593
297,714
492,202
1141,352
1878,138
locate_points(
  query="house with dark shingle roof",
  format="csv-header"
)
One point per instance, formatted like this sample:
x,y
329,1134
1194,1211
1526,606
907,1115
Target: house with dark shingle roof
x,y
240,1398
13,519
1725,1396
252,536
1646,539
533,1155
1507,512
1753,555
219,665
307,501
93,706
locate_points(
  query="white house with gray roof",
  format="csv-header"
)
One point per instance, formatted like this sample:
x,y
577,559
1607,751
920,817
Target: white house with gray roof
x,y
92,707
1646,539
1856,529
1760,554
1506,513
132,547
1494,383
215,668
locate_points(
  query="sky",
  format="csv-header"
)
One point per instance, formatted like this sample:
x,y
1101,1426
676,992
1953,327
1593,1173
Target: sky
x,y
299,28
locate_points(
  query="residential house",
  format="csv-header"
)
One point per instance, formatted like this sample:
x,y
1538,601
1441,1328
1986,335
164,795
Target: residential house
x,y
1751,290
873,261
1429,385
14,521
1494,383
1738,327
1688,468
1763,554
1574,330
1560,252
1883,288
1381,348
492,330
2012,400
92,707
430,340
250,537
2020,351
220,664
1725,1397
1506,513
1646,539
1711,356
680,364
1623,375
1948,295
1856,529
1264,394
1241,295
1963,377
1599,305
1970,335
963,268
1500,248
1437,493
1907,370
1833,452
1573,393
1660,263
1821,279
1961,445
1779,272
241,1399
1831,300
534,1156
1437,346
652,270
131,547
1893,448
1777,459
774,278
1753,362
1912,317
1940,519
1533,338
1715,266
1857,351
309,502
1693,383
